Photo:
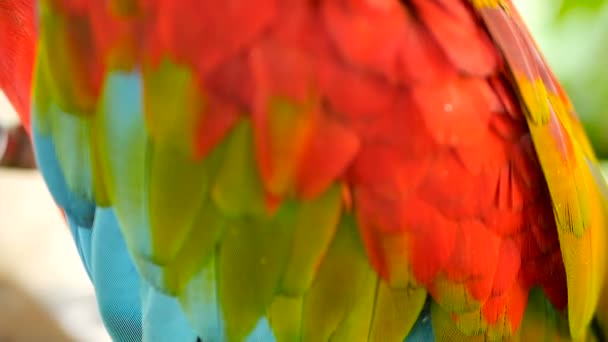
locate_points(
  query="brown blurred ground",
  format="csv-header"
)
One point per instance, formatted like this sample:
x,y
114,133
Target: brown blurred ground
x,y
43,284
22,318
15,148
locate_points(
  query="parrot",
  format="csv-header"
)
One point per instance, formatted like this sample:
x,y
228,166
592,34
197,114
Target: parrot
x,y
321,170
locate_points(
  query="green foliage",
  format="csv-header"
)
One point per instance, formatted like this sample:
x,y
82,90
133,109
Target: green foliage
x,y
569,5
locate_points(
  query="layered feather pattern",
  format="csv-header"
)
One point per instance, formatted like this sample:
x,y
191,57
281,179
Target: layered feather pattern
x,y
343,170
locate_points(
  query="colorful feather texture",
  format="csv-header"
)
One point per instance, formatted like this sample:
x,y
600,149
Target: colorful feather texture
x,y
314,170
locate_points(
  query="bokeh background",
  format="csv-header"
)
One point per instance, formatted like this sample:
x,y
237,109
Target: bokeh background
x,y
45,294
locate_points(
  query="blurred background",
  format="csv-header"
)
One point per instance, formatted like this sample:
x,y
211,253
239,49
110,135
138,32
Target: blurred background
x,y
44,291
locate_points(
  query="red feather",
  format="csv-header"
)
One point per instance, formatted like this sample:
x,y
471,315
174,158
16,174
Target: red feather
x,y
17,48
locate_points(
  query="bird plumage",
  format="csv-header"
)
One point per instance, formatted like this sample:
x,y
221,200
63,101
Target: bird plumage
x,y
315,170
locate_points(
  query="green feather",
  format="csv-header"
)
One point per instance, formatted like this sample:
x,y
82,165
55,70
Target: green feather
x,y
71,135
285,317
445,329
173,102
251,261
101,189
124,174
238,189
177,186
197,249
395,312
199,300
41,96
541,322
58,58
343,290
313,232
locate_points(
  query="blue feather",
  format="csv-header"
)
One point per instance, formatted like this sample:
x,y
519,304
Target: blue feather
x,y
79,208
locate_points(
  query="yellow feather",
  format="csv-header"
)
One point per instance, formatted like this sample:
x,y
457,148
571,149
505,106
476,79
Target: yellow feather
x,y
577,188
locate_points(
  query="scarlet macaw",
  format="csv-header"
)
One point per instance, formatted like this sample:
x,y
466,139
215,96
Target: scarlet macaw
x,y
339,170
